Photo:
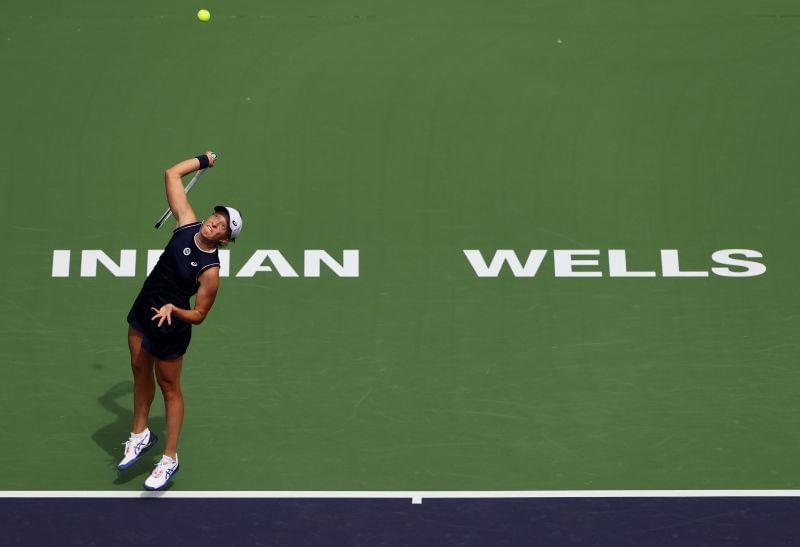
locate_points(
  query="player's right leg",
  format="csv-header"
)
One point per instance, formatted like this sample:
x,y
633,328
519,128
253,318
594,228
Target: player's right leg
x,y
144,390
144,381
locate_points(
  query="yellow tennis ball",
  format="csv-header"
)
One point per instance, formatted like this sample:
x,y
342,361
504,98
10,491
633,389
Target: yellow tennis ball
x,y
204,15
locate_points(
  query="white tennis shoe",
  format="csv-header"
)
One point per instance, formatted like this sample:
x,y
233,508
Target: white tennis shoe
x,y
161,475
135,448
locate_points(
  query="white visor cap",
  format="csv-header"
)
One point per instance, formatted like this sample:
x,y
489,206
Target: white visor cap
x,y
235,219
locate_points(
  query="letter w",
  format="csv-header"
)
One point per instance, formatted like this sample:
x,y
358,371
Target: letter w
x,y
502,256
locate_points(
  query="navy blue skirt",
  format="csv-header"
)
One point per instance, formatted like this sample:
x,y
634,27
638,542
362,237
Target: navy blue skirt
x,y
164,342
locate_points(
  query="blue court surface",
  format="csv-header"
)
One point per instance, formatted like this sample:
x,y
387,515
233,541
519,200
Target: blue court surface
x,y
601,522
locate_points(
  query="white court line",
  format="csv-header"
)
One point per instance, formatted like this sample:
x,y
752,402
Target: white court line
x,y
416,497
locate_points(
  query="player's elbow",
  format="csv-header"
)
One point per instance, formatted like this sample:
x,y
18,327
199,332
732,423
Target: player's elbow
x,y
199,317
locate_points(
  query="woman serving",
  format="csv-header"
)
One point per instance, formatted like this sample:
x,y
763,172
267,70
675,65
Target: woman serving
x,y
160,321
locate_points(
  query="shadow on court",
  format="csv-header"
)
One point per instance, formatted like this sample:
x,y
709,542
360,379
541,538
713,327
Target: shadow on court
x,y
118,400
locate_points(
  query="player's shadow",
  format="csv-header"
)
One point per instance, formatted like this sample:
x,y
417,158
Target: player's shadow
x,y
112,437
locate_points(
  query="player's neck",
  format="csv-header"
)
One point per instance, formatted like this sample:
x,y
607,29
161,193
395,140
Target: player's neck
x,y
204,244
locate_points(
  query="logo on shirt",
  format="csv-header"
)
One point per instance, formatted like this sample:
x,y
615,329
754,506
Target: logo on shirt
x,y
194,264
187,251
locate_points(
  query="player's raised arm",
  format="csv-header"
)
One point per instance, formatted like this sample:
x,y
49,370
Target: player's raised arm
x,y
176,196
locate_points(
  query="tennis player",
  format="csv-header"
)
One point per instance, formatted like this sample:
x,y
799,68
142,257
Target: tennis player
x,y
160,321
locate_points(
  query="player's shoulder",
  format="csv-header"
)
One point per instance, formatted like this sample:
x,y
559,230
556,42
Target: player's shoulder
x,y
182,235
187,227
209,273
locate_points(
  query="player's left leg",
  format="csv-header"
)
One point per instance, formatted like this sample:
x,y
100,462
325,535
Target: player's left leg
x,y
168,375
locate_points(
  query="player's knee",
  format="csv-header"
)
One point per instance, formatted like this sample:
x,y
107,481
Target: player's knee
x,y
169,389
139,366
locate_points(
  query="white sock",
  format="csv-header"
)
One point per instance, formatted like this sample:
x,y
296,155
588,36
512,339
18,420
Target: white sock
x,y
170,460
142,435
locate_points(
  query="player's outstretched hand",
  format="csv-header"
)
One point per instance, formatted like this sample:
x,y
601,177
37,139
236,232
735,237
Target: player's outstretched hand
x,y
212,158
165,312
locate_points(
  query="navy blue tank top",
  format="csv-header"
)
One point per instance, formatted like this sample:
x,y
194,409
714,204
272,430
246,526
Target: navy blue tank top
x,y
174,278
